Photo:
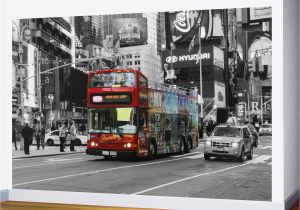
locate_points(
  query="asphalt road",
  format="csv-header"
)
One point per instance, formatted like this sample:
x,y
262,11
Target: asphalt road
x,y
186,175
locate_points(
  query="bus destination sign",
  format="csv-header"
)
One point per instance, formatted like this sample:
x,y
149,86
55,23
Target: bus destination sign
x,y
111,99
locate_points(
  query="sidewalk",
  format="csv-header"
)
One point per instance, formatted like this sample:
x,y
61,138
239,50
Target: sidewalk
x,y
48,151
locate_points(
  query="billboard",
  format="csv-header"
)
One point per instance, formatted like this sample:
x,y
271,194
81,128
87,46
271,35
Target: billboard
x,y
130,31
220,95
183,23
260,13
182,58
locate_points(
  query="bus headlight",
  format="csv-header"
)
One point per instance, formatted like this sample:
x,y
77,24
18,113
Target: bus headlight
x,y
128,145
93,144
208,143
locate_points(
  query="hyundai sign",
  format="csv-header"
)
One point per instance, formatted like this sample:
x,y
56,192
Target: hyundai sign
x,y
181,58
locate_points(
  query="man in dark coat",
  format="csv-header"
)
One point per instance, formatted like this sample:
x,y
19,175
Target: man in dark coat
x,y
27,133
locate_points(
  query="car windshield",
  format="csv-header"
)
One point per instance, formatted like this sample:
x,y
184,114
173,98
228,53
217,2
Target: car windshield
x,y
113,79
113,120
266,126
227,131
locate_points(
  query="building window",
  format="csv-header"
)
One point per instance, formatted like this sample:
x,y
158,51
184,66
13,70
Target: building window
x,y
129,56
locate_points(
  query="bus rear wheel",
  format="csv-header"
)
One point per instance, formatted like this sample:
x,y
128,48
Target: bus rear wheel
x,y
152,150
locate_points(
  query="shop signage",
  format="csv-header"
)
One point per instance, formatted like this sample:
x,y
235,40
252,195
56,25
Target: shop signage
x,y
220,94
241,110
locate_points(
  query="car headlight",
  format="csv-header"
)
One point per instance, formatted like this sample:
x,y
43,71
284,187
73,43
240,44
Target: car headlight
x,y
235,144
208,143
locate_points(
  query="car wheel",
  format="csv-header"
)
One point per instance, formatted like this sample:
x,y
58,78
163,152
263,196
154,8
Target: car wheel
x,y
188,146
152,150
250,155
256,143
242,156
206,157
77,142
50,142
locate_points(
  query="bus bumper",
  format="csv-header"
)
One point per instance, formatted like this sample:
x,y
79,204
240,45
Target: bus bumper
x,y
113,153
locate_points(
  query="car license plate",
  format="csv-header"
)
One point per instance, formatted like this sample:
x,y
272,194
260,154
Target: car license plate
x,y
113,153
221,149
105,152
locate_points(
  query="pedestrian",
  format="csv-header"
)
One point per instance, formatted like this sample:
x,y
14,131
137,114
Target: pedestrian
x,y
14,136
43,133
72,136
27,133
37,135
62,136
256,123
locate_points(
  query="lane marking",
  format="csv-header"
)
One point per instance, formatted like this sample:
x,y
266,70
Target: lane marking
x,y
188,154
29,166
264,147
198,175
185,179
60,159
195,156
98,171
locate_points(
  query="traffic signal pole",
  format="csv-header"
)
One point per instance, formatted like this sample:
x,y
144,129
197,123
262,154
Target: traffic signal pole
x,y
38,75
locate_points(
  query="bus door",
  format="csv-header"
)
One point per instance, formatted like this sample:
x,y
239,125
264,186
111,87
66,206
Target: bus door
x,y
143,129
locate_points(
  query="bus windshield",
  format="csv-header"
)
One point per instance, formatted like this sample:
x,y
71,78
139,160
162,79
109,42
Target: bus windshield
x,y
113,120
113,79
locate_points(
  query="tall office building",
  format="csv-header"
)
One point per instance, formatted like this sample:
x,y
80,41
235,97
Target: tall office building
x,y
145,56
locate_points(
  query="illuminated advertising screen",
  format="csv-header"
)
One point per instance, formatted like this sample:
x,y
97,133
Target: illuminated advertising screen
x,y
120,98
130,31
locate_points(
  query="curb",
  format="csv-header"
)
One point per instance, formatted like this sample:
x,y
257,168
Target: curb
x,y
46,155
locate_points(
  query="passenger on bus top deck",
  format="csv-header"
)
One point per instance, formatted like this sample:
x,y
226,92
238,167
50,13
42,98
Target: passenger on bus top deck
x,y
129,80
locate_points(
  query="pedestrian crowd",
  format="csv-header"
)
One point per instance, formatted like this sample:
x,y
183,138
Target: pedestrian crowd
x,y
37,132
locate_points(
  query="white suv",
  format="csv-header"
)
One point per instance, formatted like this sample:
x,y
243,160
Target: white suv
x,y
229,141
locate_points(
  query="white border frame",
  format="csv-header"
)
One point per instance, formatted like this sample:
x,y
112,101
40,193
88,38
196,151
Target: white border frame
x,y
37,8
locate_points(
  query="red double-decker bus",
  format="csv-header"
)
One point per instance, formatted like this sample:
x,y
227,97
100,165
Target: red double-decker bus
x,y
129,116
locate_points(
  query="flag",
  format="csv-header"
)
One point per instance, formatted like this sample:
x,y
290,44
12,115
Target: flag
x,y
117,46
192,44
